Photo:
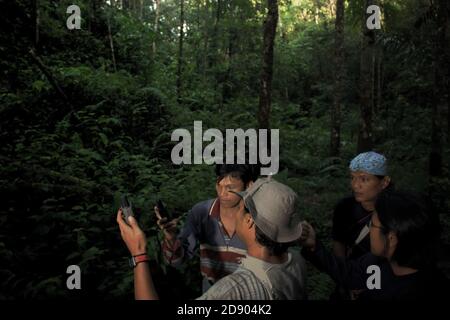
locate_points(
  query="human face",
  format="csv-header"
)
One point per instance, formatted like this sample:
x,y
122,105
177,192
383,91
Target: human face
x,y
366,187
382,243
224,186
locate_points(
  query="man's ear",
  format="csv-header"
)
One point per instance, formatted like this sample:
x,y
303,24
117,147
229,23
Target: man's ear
x,y
249,220
249,184
385,182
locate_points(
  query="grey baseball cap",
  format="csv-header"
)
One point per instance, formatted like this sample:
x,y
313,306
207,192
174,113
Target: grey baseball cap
x,y
273,207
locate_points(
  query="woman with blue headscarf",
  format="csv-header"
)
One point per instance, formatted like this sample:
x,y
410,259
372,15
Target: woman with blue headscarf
x,y
369,176
350,231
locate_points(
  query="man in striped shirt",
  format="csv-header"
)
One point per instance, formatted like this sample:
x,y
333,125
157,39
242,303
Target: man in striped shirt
x,y
210,225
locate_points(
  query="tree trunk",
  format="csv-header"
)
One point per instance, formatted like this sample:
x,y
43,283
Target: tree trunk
x,y
316,13
441,74
338,78
180,51
141,9
270,26
157,3
205,62
214,38
379,79
50,77
365,141
198,53
227,87
37,23
94,12
111,43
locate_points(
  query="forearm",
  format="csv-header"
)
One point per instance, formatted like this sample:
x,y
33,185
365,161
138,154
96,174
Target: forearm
x,y
327,262
143,283
350,273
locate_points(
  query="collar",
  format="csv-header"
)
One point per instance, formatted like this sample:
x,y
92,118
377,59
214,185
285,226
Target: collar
x,y
261,268
214,211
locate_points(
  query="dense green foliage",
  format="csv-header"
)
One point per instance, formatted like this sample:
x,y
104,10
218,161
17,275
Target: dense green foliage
x,y
65,160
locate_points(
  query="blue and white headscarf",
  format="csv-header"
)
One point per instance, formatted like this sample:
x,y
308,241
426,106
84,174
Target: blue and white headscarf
x,y
370,162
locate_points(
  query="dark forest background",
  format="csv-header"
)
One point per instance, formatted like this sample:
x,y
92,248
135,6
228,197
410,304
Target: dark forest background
x,y
87,114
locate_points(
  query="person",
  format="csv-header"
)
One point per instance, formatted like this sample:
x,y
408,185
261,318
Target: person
x,y
403,237
210,227
369,176
268,224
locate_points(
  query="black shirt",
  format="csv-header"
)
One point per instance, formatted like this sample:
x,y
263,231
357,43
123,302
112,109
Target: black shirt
x,y
428,284
349,218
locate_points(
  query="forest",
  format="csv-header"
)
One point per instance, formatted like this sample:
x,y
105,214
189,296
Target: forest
x,y
91,91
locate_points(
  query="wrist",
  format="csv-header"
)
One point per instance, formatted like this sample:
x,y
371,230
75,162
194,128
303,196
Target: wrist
x,y
137,259
139,251
139,254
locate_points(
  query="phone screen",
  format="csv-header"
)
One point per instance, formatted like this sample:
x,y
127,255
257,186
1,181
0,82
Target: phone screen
x,y
162,209
127,209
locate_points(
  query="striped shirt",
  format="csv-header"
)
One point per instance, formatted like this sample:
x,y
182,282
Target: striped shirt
x,y
219,252
260,280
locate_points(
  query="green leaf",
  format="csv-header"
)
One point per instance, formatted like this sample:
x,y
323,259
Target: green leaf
x,y
104,139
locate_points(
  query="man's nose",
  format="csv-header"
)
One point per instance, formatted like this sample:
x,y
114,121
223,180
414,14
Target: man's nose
x,y
223,192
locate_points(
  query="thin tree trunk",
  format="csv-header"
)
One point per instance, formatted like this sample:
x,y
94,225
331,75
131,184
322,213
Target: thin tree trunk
x,y
373,81
365,141
265,97
339,75
316,14
111,43
440,88
198,53
37,23
89,22
448,107
125,4
49,76
227,87
157,3
206,41
214,38
180,52
379,80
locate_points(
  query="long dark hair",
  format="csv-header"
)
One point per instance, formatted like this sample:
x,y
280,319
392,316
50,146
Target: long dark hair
x,y
416,225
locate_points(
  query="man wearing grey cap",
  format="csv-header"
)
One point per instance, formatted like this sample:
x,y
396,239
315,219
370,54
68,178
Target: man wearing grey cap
x,y
268,223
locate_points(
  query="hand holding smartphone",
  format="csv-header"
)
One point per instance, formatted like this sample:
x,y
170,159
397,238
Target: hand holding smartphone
x,y
161,211
165,221
126,207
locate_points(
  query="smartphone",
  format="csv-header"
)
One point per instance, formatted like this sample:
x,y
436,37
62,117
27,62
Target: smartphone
x,y
126,207
162,210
